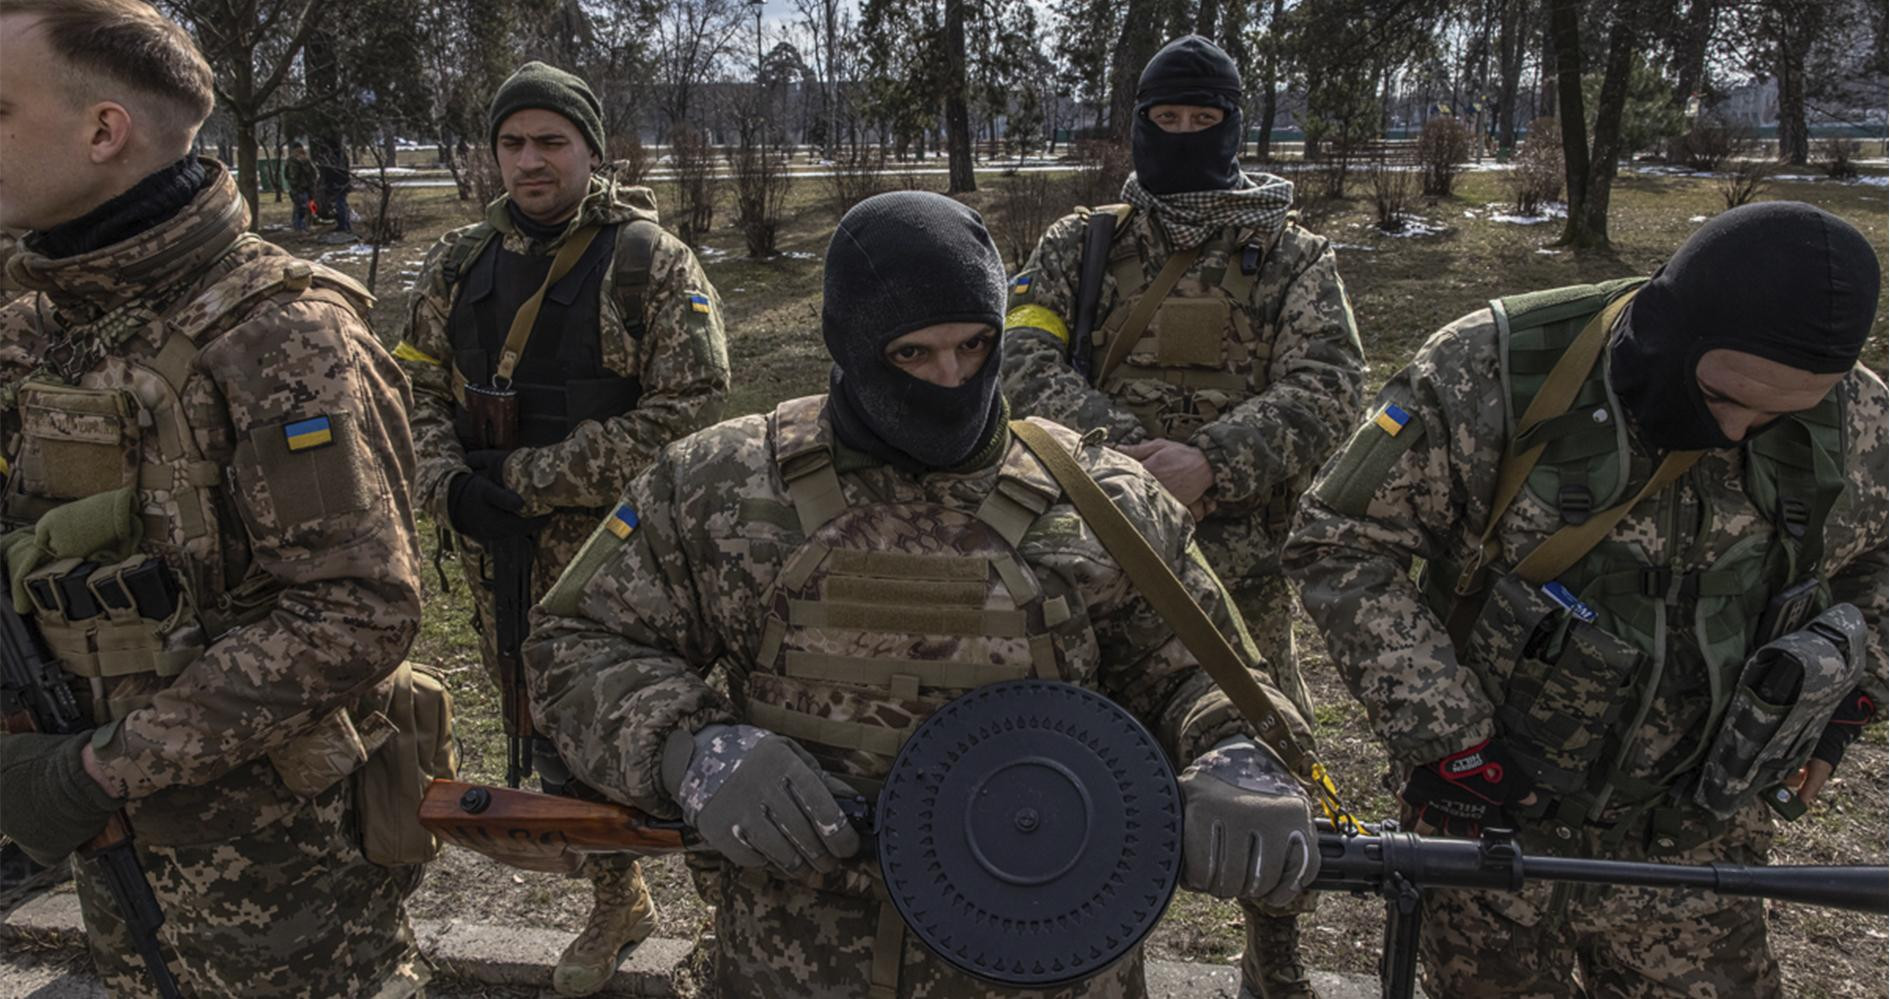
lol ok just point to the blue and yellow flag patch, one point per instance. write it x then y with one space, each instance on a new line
621 521
1021 286
1391 419
305 434
699 302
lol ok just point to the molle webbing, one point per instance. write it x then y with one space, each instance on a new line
1124 338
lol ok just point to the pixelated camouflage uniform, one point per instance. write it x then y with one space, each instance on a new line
1423 490
1266 401
720 560
299 568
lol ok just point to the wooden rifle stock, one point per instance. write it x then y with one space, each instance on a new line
542 832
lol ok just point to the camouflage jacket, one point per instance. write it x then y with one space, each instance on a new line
1432 501
681 363
1271 440
298 175
642 619
301 561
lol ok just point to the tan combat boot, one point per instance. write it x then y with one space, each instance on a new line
622 916
1271 968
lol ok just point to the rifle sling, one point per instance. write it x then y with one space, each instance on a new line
1124 339
1156 582
527 315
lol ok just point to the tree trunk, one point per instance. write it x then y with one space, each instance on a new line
246 167
1208 18
1512 41
1794 145
1690 60
1565 32
1270 85
957 115
1550 74
1134 47
1611 105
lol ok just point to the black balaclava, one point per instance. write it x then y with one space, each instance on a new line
1779 279
1189 70
900 262
156 198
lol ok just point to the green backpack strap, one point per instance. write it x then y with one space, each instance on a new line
630 270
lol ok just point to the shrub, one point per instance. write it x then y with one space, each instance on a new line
1394 185
859 172
696 184
1538 174
1443 147
1743 181
761 185
1840 158
1708 145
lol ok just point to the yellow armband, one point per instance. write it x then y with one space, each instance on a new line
1037 317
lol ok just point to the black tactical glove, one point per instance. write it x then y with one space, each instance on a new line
1846 724
1467 790
481 507
48 803
757 798
1246 829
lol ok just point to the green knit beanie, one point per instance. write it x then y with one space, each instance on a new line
536 85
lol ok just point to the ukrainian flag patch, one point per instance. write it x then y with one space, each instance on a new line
305 434
699 302
621 521
1021 286
1392 419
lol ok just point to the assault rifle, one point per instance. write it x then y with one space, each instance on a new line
493 414
545 833
35 697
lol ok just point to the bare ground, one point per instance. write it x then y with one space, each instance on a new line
1402 288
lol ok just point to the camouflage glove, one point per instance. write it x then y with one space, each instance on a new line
1846 724
1247 828
48 803
1467 790
757 798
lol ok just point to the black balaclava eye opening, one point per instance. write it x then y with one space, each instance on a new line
900 262
1780 280
1190 70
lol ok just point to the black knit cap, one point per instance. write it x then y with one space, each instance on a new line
900 262
537 85
1189 70
1780 280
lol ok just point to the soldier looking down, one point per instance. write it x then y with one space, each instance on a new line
207 462
1651 516
1218 349
603 336
854 560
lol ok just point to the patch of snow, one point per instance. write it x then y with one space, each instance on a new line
1355 246
357 250
1550 212
1877 181
1545 251
710 252
1696 218
1799 177
1469 213
796 255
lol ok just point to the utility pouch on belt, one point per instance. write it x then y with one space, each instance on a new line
314 761
421 749
1786 694
1568 682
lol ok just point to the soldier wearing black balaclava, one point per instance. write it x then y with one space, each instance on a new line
1652 517
1232 390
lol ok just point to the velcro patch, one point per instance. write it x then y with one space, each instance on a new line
699 302
304 435
1361 466
1392 419
621 521
1021 286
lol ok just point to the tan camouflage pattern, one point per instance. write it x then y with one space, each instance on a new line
1632 943
267 914
1262 444
619 650
1426 701
1354 571
323 582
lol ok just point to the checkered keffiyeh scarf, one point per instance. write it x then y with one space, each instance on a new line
1190 217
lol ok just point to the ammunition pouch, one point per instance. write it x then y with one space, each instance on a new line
112 620
1759 742
1566 686
74 443
421 749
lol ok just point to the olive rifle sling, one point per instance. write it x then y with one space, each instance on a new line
1123 340
1156 582
527 315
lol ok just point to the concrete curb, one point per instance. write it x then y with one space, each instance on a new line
522 957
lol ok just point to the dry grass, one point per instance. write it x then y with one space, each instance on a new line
1402 289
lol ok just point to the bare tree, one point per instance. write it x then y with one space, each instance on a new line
957 117
691 37
254 46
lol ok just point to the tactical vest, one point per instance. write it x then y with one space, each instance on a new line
1200 356
138 580
561 378
1571 692
88 457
